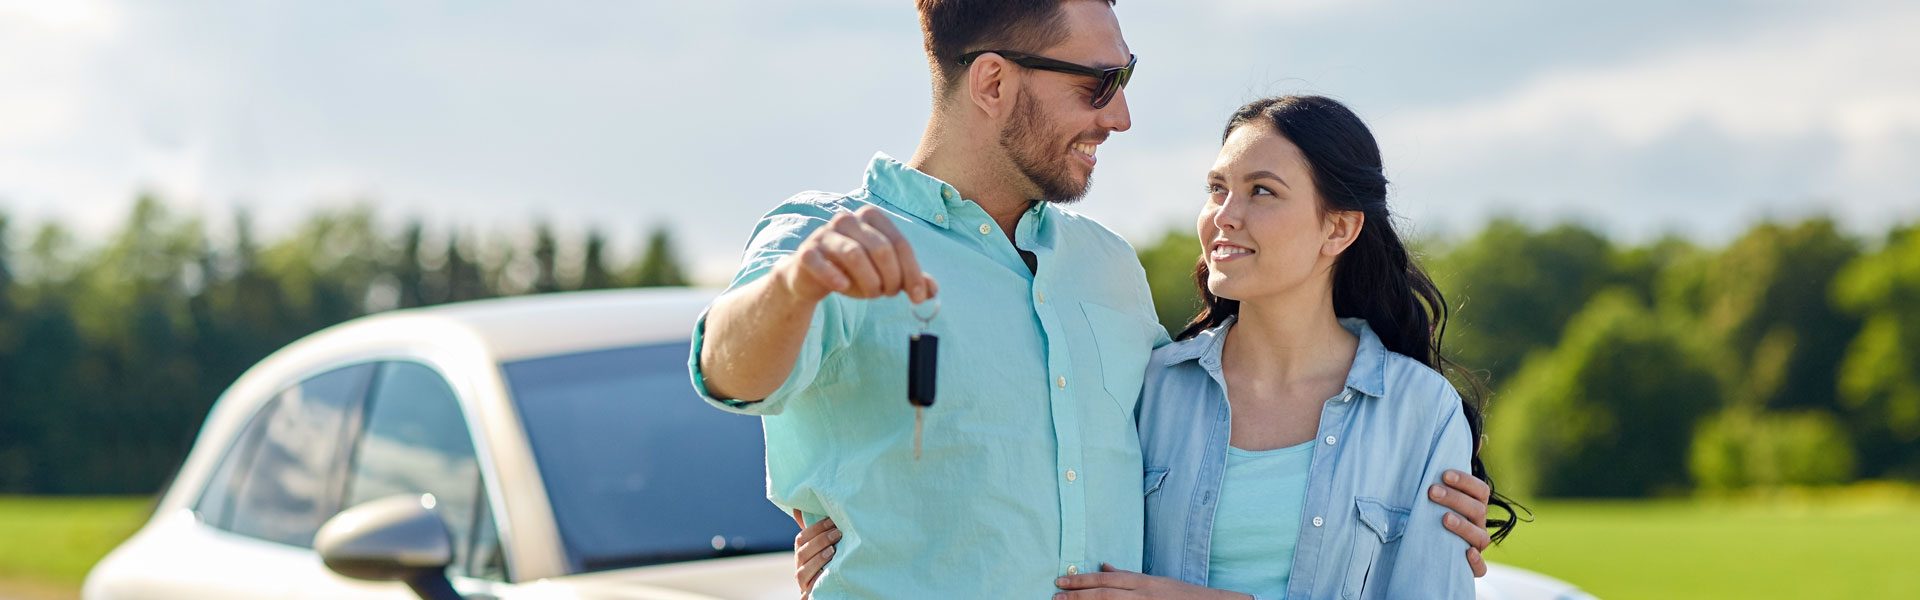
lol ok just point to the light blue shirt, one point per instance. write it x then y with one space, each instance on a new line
1259 520
1032 459
1367 529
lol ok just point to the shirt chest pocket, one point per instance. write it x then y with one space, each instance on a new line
1123 343
1380 526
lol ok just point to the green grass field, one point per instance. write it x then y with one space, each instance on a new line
47 543
1856 546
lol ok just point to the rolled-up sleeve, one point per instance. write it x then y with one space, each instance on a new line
777 235
1432 561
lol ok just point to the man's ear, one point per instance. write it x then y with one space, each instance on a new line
1343 227
990 85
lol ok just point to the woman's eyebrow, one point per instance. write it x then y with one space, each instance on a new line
1266 175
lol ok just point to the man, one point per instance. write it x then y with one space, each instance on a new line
1031 462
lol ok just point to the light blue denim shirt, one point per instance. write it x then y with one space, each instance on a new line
1031 467
1367 529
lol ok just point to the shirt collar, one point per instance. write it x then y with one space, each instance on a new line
910 190
1368 375
934 201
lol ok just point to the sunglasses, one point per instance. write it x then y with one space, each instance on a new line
1111 79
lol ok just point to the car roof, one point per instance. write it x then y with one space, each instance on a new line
523 327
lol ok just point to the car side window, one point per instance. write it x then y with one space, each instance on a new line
277 482
415 441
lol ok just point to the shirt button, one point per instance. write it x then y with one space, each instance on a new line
985 229
1073 569
1072 475
947 193
1330 440
941 219
1040 296
1062 382
1317 521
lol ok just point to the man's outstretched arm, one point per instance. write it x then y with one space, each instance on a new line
754 333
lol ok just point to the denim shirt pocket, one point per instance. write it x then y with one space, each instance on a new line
1155 477
1124 345
1380 524
1155 507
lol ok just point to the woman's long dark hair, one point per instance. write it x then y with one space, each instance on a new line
1375 278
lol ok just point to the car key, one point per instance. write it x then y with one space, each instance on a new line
923 364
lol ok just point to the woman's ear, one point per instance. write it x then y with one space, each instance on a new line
1343 227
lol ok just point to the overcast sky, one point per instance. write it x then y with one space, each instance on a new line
1639 117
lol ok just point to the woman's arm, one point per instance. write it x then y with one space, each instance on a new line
1427 563
812 548
1114 584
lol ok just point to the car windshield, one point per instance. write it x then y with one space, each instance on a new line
638 469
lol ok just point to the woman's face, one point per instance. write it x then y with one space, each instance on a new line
1262 229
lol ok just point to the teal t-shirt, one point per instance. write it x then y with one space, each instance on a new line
1258 522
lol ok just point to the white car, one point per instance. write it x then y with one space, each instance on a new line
537 447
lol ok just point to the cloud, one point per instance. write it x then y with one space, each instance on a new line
1792 119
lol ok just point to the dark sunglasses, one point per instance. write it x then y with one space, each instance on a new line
1111 80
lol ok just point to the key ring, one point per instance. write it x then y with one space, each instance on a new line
926 322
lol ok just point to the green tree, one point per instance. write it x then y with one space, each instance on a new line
462 274
546 253
660 265
1513 290
1169 263
1742 447
409 272
1766 300
1879 380
594 274
1609 411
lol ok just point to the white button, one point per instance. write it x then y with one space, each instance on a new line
1073 569
1330 440
1072 475
947 193
1062 382
1041 296
985 229
941 219
1317 521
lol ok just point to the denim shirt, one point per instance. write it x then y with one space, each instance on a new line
1367 529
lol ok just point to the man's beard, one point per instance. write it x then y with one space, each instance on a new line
1024 141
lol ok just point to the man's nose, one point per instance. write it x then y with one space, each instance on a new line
1114 116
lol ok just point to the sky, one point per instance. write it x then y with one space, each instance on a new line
1636 117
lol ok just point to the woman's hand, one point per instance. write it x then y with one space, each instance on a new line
811 551
1115 584
1466 496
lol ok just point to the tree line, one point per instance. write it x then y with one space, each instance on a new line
111 354
1788 357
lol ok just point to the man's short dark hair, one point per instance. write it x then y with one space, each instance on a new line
955 27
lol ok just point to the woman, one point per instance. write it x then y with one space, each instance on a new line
1292 430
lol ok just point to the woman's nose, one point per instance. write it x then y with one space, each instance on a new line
1228 215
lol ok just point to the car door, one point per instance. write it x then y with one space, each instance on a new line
413 438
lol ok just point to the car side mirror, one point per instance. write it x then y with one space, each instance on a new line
397 538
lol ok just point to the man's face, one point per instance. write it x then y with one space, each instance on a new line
1053 131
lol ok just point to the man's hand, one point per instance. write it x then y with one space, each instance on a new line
1466 496
754 333
860 255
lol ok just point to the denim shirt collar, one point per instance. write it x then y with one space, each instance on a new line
1367 375
934 201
